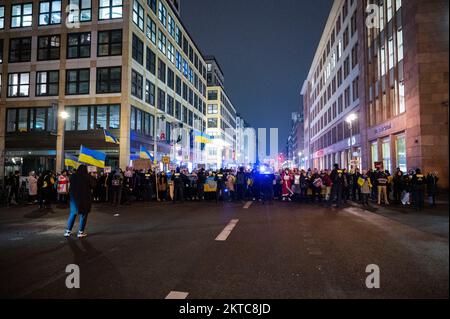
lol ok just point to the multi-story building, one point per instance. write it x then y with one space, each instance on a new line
295 143
394 79
250 146
404 90
331 91
240 129
127 66
221 119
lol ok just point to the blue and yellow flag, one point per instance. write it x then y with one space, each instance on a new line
201 137
145 154
71 161
109 138
91 157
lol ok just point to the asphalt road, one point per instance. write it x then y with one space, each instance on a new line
275 251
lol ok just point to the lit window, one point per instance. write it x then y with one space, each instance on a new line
84 12
2 17
399 45
179 62
50 12
383 61
401 96
170 52
138 15
151 30
47 83
391 53
162 42
389 10
18 84
110 9
171 26
21 15
162 13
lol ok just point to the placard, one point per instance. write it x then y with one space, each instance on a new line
107 170
140 164
92 169
166 160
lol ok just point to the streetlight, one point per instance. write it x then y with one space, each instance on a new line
60 132
350 119
158 116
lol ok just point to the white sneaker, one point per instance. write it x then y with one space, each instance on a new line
67 233
81 234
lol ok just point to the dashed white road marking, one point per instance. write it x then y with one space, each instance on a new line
247 205
177 295
227 230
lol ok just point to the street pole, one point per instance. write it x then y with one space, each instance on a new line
155 149
351 143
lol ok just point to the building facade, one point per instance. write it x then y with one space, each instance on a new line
127 66
405 86
295 143
331 92
221 119
397 86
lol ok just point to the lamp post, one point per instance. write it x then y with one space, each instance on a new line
350 119
61 129
158 115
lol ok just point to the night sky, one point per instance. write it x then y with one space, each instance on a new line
265 49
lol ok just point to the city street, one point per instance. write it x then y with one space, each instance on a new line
229 250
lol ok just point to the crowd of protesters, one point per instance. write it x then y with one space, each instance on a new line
78 188
329 186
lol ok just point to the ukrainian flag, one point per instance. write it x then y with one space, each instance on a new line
201 137
109 138
71 161
145 154
91 157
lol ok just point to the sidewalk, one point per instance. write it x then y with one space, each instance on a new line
431 220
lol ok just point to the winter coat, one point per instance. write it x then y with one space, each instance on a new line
32 185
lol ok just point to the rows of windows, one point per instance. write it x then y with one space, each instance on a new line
336 134
164 74
385 53
29 119
164 43
180 63
93 117
78 46
338 107
108 80
158 97
50 12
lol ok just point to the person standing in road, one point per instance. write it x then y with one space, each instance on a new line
365 186
220 180
398 185
32 188
382 180
201 180
337 178
418 184
162 186
178 186
241 183
81 185
63 188
432 188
